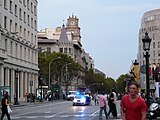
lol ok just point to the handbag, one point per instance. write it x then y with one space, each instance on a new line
9 109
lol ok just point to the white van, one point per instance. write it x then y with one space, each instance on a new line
71 95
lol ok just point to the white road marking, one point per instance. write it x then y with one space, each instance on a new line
48 112
31 117
93 114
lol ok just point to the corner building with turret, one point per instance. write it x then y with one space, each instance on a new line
150 23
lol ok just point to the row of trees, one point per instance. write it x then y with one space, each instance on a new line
89 77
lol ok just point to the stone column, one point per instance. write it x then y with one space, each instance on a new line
12 85
1 75
25 82
21 85
7 77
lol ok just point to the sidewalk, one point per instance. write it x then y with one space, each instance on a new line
24 103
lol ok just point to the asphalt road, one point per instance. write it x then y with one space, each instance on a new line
57 111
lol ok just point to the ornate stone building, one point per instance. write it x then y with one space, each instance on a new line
66 40
18 43
150 23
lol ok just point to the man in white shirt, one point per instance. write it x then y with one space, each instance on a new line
114 106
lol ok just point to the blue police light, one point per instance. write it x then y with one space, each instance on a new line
78 93
83 99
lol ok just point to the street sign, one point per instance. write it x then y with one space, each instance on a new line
143 69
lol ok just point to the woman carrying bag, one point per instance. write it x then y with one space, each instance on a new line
4 104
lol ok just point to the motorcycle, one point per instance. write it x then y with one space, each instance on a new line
154 111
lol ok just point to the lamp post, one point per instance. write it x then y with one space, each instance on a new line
49 81
146 47
40 84
62 77
16 102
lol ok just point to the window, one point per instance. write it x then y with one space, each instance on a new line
29 55
28 36
10 27
159 61
10 6
20 31
32 38
5 22
15 27
35 40
158 52
35 57
24 2
70 50
16 50
20 13
32 57
153 44
5 3
24 17
15 10
24 53
28 20
6 44
153 36
32 22
61 50
48 49
158 44
35 25
154 54
20 52
31 7
65 50
24 33
11 48
35 10
28 4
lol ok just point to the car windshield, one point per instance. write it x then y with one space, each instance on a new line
79 97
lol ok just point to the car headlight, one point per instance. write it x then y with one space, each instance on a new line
151 113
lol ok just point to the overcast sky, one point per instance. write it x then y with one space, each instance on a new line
109 28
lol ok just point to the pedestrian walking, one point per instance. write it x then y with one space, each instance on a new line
4 104
112 106
114 103
133 107
102 103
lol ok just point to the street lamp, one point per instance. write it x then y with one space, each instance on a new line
146 47
62 77
40 84
16 102
49 81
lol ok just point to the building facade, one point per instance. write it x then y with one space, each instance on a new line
150 23
18 43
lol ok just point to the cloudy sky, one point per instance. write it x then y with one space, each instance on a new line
109 28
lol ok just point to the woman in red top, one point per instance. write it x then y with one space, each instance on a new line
132 106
